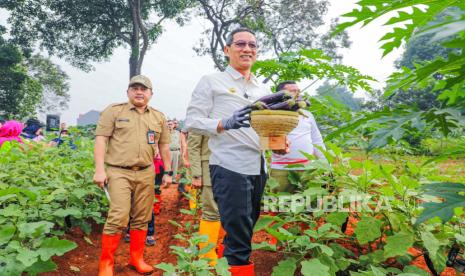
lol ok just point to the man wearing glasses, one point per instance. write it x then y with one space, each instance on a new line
218 108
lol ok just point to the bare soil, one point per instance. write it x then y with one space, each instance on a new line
86 256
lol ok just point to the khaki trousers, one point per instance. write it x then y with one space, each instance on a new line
131 196
209 206
175 156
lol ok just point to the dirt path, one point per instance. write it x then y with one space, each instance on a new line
85 256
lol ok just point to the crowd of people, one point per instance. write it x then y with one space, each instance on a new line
32 131
136 146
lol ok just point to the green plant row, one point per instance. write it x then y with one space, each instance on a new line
43 192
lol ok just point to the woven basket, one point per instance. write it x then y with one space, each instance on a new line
273 123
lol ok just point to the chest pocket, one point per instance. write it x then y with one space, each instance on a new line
124 128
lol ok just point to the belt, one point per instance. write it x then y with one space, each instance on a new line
132 168
174 149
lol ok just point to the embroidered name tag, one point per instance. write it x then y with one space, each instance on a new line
122 120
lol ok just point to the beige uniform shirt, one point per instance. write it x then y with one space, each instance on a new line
128 130
197 146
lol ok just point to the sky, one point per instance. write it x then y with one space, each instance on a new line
175 68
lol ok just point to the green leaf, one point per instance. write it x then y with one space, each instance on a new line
451 200
368 229
285 267
337 218
398 244
207 248
11 266
68 212
378 271
27 257
264 221
313 267
54 246
222 267
264 246
167 267
415 271
34 229
41 267
6 233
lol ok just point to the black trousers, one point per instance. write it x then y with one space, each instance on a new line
239 198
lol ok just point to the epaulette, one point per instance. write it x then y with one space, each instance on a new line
157 111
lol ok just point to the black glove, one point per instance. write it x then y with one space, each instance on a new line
237 119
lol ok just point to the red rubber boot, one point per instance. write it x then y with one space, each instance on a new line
136 248
107 258
242 270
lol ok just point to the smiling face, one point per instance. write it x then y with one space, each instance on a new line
139 95
242 53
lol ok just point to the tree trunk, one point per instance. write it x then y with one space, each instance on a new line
139 32
134 68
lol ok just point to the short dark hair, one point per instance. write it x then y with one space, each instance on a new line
284 83
229 39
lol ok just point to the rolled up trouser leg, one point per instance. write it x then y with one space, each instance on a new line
238 198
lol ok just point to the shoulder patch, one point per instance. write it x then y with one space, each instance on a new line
117 104
157 111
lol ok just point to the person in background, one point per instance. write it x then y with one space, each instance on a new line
64 138
175 148
63 126
210 223
306 137
159 169
10 131
183 143
33 130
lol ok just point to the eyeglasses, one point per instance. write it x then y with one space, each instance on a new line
241 44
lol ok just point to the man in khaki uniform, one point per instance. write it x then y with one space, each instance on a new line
128 137
210 224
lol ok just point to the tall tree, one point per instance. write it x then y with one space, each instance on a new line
419 50
406 20
19 93
54 81
281 26
89 31
29 84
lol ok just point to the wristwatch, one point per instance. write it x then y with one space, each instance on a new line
170 173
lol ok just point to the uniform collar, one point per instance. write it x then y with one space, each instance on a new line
133 107
236 75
